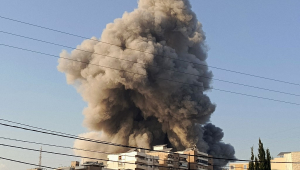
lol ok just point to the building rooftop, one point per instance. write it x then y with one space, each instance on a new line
282 153
160 145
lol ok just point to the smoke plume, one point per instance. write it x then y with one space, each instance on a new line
146 104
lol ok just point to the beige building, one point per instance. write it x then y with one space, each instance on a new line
198 160
281 162
85 166
239 166
286 157
169 160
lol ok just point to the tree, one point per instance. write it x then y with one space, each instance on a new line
262 161
268 163
262 156
251 163
256 165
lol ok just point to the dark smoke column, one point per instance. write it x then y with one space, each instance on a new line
143 111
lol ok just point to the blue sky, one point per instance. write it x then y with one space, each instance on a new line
256 37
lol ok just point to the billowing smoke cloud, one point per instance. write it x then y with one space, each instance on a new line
213 136
145 109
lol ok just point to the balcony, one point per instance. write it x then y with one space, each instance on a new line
181 159
170 157
181 164
169 163
202 162
141 166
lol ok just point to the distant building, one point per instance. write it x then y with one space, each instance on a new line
135 159
85 166
281 162
239 166
198 160
169 160
286 157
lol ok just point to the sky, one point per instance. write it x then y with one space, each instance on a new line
256 37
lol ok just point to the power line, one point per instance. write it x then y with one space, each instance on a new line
65 147
59 154
108 143
115 144
85 157
63 154
151 65
13 160
219 68
206 88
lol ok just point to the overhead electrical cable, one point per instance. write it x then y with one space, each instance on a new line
65 147
85 157
134 73
82 157
115 144
151 65
21 162
219 68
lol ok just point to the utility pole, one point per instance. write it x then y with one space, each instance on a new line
40 160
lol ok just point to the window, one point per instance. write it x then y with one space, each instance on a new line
202 161
170 156
183 159
150 159
245 166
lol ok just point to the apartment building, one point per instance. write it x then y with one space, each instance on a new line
161 158
169 160
198 160
292 157
239 166
135 159
89 165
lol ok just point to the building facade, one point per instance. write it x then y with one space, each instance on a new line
161 158
239 166
198 160
85 166
169 160
292 157
133 159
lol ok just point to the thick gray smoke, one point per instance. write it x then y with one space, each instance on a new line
143 111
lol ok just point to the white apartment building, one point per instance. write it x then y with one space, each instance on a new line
135 159
161 158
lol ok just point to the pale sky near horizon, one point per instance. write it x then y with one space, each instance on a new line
256 37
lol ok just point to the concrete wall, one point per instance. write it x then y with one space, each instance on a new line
132 160
239 166
278 166
296 158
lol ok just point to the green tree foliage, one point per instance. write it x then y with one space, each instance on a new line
251 163
256 165
262 161
261 156
268 159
